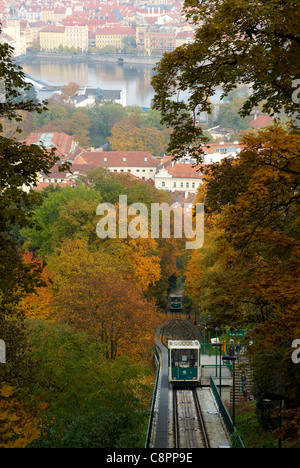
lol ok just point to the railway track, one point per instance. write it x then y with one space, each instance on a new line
176 328
189 426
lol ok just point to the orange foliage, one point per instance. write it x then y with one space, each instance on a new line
18 426
38 304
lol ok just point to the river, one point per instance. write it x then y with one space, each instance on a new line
135 78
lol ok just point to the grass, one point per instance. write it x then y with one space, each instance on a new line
251 432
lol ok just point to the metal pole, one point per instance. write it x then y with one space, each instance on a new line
216 330
220 372
233 409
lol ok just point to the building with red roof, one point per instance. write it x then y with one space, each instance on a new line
138 163
113 36
177 176
66 148
261 121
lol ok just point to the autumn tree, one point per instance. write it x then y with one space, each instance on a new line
37 303
104 117
127 136
64 213
108 305
80 128
19 425
69 91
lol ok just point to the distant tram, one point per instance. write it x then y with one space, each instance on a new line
184 362
175 302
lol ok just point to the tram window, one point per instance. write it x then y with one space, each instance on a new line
174 358
192 360
184 357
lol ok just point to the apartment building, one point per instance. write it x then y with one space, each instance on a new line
77 36
52 37
53 14
140 164
30 12
159 38
178 177
113 36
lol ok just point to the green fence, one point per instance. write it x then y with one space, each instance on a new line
226 417
150 423
227 348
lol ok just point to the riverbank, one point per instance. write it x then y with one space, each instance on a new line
58 70
85 58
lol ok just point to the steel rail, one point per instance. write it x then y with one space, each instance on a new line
175 419
201 420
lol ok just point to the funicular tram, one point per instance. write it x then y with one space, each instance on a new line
184 362
176 302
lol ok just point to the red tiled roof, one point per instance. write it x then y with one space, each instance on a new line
53 28
61 141
43 185
82 168
118 159
185 170
74 170
262 121
116 30
213 147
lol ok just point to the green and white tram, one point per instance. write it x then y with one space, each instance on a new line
175 302
184 362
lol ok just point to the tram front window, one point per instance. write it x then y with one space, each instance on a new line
184 357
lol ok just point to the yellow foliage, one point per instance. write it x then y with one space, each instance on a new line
19 427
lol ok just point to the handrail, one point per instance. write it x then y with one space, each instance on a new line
225 415
150 422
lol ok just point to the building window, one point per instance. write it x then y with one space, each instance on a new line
174 184
163 184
